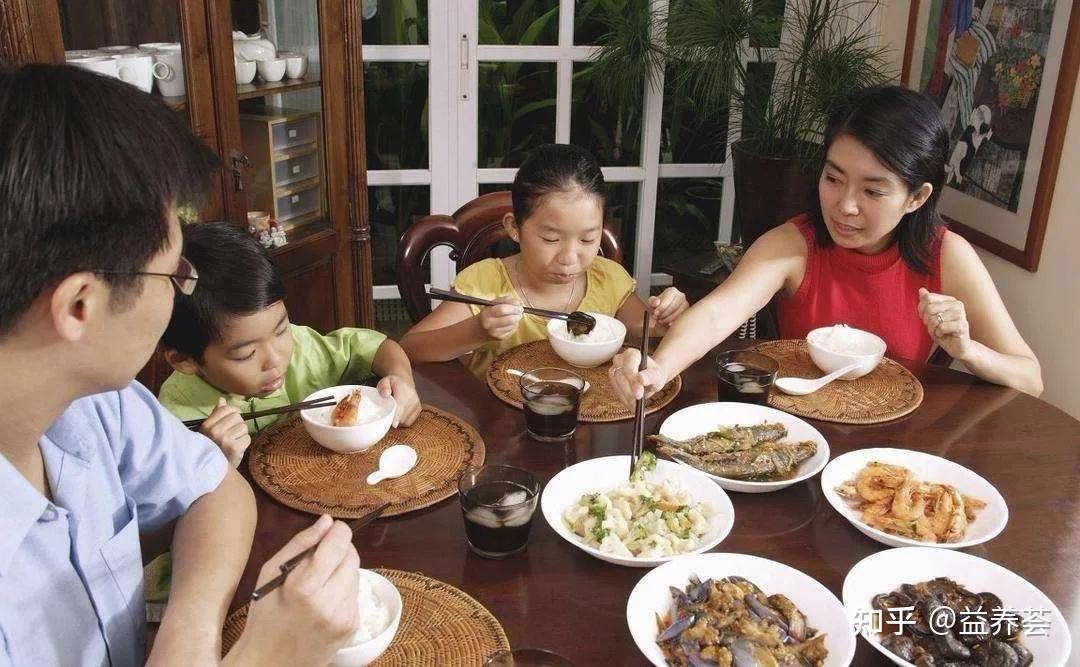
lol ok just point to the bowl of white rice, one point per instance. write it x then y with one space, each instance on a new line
833 348
374 416
380 613
591 349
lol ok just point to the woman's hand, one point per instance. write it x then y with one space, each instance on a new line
404 392
226 428
501 321
631 384
946 320
667 306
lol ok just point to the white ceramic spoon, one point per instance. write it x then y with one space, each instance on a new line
803 386
395 461
516 373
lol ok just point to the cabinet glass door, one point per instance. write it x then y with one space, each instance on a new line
279 93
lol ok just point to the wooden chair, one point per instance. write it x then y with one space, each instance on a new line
470 232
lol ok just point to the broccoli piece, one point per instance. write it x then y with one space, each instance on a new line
646 463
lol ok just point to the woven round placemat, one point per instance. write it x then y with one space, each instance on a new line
299 473
440 625
599 404
887 392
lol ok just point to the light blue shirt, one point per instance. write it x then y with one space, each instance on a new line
70 570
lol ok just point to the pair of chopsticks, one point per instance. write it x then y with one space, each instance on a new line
639 406
320 402
289 565
456 297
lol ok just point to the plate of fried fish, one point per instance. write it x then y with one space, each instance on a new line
743 447
901 497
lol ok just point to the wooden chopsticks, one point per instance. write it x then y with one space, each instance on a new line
446 295
320 402
290 564
639 406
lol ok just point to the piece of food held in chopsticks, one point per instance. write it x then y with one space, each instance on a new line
755 452
347 411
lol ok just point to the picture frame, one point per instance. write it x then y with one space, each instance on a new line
1004 73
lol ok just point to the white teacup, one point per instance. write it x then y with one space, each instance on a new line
245 70
295 64
101 64
271 70
137 69
82 53
159 46
169 72
117 49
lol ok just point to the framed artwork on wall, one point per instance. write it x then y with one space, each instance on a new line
1003 73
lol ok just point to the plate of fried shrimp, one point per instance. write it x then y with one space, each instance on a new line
901 497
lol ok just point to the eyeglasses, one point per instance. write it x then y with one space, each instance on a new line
184 279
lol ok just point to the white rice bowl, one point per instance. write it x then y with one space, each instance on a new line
379 606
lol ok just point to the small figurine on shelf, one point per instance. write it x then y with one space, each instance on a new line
266 229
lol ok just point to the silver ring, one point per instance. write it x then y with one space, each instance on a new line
940 319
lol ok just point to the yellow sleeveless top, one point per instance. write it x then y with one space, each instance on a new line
607 287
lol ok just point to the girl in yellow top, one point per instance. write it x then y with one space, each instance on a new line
558 217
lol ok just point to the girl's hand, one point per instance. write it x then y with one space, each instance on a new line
502 320
667 306
225 427
631 384
404 392
946 320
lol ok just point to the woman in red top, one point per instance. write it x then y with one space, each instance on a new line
875 256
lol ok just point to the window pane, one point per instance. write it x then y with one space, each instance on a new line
395 115
516 109
516 22
770 10
687 218
759 79
688 133
591 20
622 213
394 22
392 210
611 132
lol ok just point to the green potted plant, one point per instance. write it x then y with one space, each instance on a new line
719 54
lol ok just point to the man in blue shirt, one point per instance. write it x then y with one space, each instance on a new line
91 173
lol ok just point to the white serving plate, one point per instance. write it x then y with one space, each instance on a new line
606 473
886 570
705 417
989 521
822 609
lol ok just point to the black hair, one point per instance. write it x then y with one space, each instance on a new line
235 278
555 168
89 169
905 132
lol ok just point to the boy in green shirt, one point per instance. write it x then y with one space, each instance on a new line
234 350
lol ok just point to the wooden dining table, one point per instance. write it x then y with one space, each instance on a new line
557 597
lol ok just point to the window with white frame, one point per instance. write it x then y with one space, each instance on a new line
458 92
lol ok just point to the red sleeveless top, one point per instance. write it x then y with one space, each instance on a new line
878 293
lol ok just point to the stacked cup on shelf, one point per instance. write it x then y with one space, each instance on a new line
255 53
139 66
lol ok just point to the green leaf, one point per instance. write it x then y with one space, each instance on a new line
533 106
532 34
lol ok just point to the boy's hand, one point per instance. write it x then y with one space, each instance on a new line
667 306
404 392
314 612
225 427
502 320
